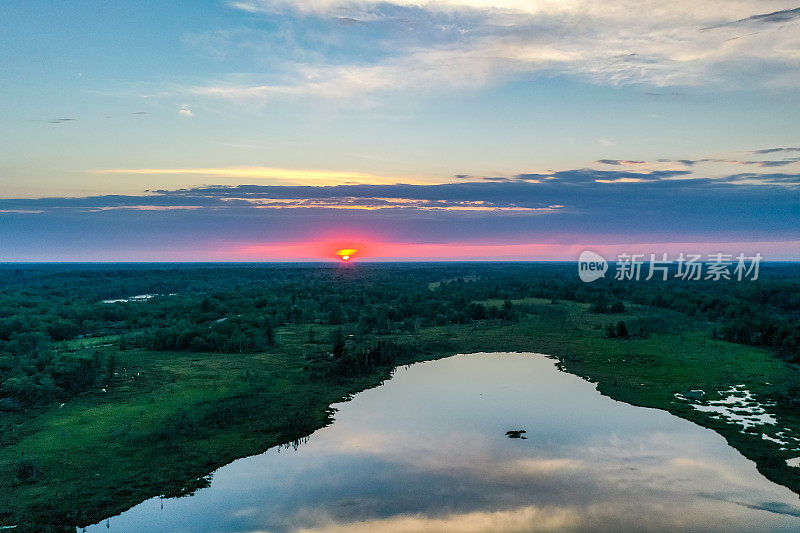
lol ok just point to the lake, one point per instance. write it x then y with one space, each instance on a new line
430 450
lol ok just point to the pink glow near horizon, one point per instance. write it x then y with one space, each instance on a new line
408 251
397 251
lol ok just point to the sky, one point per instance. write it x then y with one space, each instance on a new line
270 130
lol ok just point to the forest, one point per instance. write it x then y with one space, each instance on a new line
46 311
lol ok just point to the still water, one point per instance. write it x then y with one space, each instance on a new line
429 451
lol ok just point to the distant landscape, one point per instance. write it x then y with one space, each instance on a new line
123 382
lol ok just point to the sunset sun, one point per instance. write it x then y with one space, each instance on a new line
346 254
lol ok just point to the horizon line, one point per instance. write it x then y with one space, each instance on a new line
328 262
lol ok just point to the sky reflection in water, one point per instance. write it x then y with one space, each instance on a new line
428 451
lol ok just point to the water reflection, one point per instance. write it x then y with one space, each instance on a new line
430 451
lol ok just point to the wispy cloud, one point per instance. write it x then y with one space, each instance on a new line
784 15
617 162
54 120
773 150
764 163
444 44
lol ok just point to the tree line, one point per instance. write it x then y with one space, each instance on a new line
46 312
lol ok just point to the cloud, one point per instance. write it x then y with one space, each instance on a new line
619 162
559 193
523 519
773 150
245 6
765 163
687 162
777 178
186 111
588 175
783 15
533 192
54 120
781 163
422 69
527 214
463 44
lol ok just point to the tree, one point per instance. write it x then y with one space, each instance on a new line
269 333
335 315
338 344
600 306
27 471
111 366
62 329
22 389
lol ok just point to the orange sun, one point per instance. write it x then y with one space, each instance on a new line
346 254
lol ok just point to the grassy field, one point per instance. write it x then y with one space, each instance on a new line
170 419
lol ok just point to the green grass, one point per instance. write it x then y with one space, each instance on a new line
171 418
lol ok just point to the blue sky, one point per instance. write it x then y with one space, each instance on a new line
494 111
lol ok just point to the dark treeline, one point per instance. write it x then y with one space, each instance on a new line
46 310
